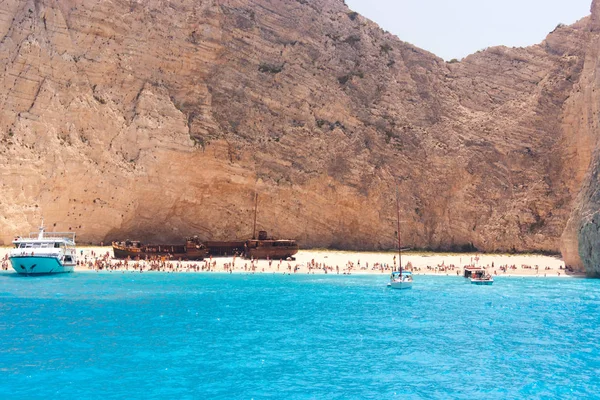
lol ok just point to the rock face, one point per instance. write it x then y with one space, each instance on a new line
580 246
159 119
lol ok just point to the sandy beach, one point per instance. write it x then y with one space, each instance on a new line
329 262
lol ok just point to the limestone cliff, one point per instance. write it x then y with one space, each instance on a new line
580 246
159 119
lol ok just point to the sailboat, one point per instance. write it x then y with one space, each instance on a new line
400 279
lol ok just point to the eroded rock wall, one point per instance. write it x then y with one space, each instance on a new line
160 119
580 247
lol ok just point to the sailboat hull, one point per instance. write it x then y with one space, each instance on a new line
400 285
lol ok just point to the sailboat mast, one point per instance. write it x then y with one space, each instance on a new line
255 207
398 222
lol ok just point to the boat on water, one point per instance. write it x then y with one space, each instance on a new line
192 249
400 279
44 253
481 277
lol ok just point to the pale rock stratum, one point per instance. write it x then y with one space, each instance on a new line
158 119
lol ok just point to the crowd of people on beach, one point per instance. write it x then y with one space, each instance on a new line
104 261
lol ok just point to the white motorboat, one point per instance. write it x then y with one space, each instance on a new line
44 253
482 281
481 277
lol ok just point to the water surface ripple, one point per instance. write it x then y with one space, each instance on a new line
192 336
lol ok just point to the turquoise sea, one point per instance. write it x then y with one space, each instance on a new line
204 336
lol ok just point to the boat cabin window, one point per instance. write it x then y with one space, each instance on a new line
56 245
34 245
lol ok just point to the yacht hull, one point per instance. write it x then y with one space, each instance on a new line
39 265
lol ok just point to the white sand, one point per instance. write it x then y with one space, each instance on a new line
347 262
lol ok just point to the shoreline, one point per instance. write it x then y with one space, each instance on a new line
336 262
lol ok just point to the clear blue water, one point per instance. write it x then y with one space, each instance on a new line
197 336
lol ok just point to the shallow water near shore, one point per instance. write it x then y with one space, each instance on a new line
189 336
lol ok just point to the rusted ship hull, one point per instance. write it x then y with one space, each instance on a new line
171 252
261 248
225 248
252 249
271 249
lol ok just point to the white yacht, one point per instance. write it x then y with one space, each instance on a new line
44 253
